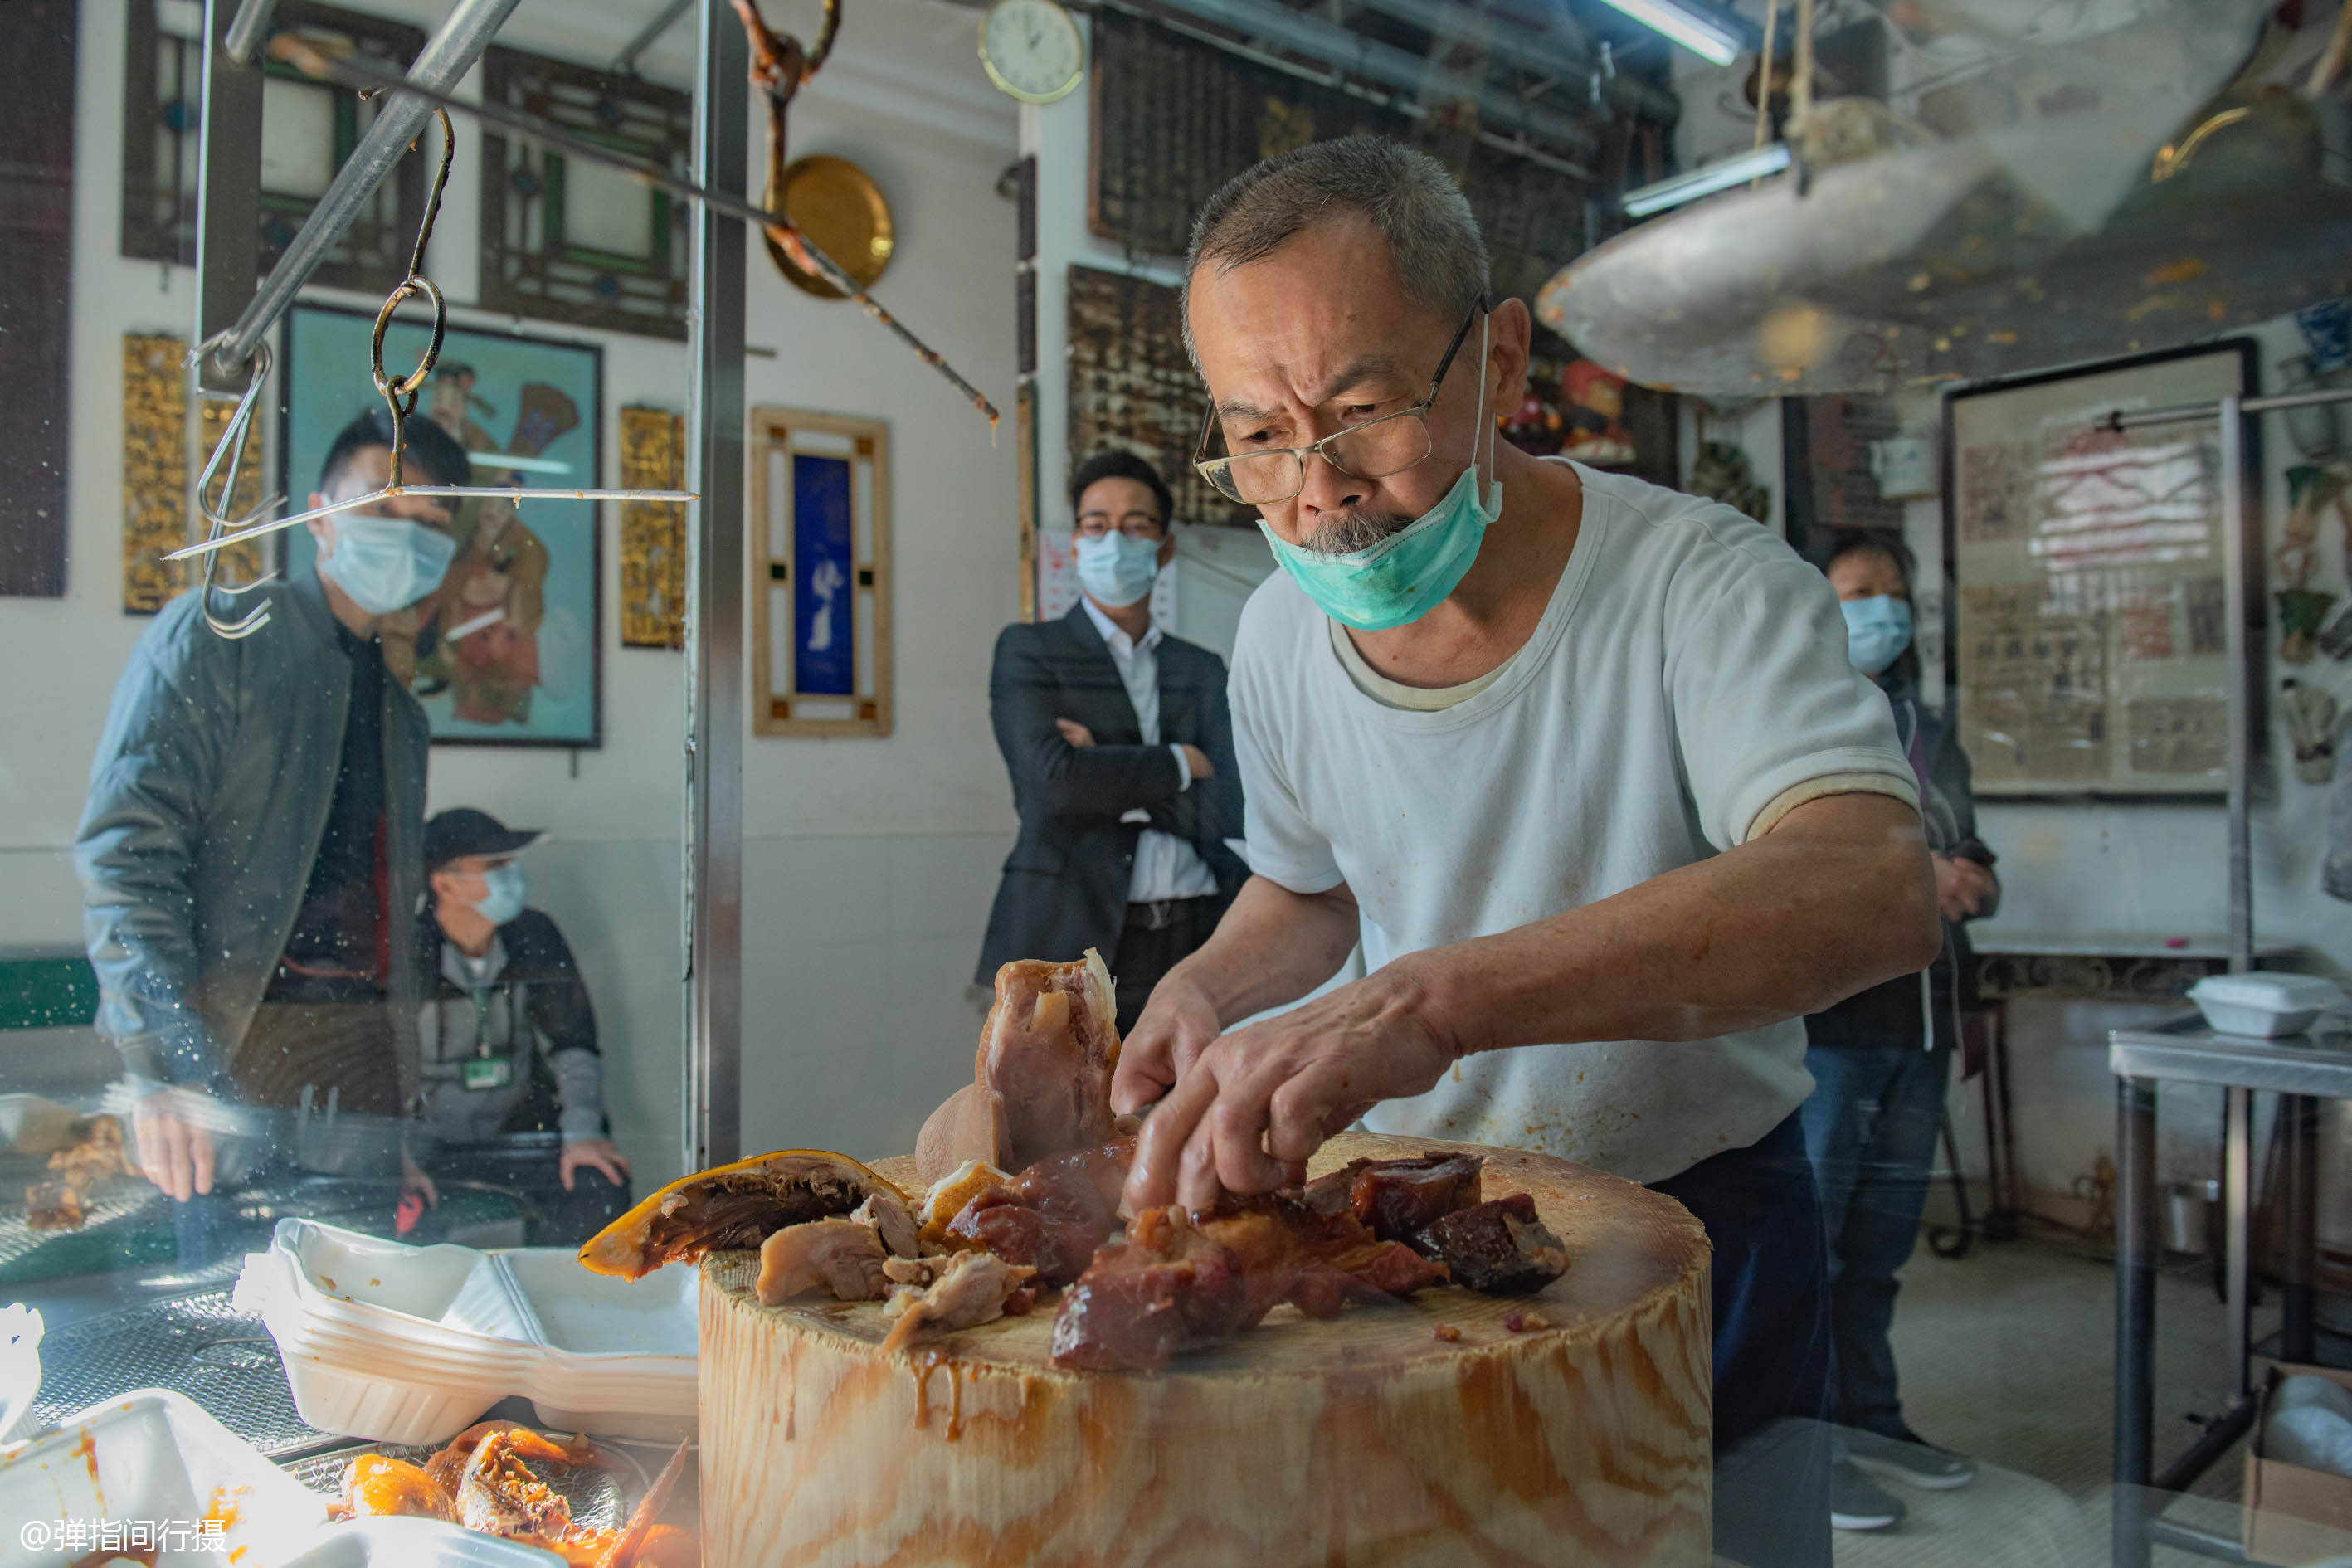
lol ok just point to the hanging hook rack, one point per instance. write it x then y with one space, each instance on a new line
219 523
400 396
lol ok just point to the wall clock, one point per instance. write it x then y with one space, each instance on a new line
1032 49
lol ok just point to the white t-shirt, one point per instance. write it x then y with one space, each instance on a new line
1687 685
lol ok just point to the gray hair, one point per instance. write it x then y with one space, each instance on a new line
1433 236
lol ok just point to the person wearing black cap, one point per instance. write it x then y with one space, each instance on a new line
509 1037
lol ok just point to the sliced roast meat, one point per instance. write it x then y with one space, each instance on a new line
843 1255
1397 1198
1180 1280
969 1289
1500 1248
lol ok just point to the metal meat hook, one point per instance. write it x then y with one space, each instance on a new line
399 394
219 526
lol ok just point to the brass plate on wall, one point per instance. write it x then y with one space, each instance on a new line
839 206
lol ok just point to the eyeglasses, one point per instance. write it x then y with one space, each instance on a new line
1371 450
1134 525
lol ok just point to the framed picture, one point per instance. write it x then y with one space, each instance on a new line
820 569
2088 614
507 652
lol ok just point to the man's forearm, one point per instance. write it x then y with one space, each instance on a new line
1272 946
1838 898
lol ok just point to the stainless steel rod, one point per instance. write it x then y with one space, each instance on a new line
312 63
715 413
447 56
2237 1181
2186 412
627 58
2242 707
243 40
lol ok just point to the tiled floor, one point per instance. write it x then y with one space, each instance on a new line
2007 1355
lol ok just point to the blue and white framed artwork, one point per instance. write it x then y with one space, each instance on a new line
820 567
509 651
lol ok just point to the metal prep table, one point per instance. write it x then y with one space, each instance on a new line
2302 1070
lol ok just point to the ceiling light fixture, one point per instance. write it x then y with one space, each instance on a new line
1707 37
1705 181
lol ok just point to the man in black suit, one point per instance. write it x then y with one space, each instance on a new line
1121 751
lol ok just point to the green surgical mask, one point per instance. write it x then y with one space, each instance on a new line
1401 578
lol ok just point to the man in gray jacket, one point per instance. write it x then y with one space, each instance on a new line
250 851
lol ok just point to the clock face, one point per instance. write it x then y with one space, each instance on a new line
1031 48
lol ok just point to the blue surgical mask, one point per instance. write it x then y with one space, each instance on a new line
503 899
1877 630
1116 570
1405 576
386 563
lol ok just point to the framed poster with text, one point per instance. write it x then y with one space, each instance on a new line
2088 613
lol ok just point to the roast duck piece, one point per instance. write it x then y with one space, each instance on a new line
483 1479
982 1242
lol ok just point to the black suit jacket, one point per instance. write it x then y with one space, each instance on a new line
1065 886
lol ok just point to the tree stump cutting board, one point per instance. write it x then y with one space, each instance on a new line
1364 1439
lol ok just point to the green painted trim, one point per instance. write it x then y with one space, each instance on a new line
47 993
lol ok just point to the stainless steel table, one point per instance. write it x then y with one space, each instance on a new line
2302 1070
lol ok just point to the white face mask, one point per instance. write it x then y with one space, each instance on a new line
1117 570
386 563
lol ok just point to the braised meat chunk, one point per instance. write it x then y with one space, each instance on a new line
1181 1279
1142 1299
1500 1248
1041 1077
1397 1198
1052 1217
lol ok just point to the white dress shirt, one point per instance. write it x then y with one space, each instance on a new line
1165 866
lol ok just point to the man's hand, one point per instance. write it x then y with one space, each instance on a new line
1076 733
1962 887
1198 761
1178 1022
413 1179
597 1153
1252 1106
175 1151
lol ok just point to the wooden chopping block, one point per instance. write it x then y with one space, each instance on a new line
1364 1439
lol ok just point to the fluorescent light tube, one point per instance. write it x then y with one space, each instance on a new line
1705 181
1700 33
521 465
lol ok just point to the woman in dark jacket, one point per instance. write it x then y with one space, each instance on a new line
1881 1063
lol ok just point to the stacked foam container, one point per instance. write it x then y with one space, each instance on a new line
412 1344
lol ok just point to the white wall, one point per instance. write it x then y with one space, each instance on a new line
869 862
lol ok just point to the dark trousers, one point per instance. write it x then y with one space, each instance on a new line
1158 937
1870 1130
329 1042
1770 1299
340 1046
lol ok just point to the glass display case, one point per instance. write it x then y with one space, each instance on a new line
573 652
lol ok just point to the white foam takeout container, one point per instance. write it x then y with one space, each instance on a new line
20 1363
409 1344
2266 1004
413 1544
150 1458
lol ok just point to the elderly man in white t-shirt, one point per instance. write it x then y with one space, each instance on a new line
1580 762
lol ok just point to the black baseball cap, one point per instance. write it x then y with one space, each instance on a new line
462 831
